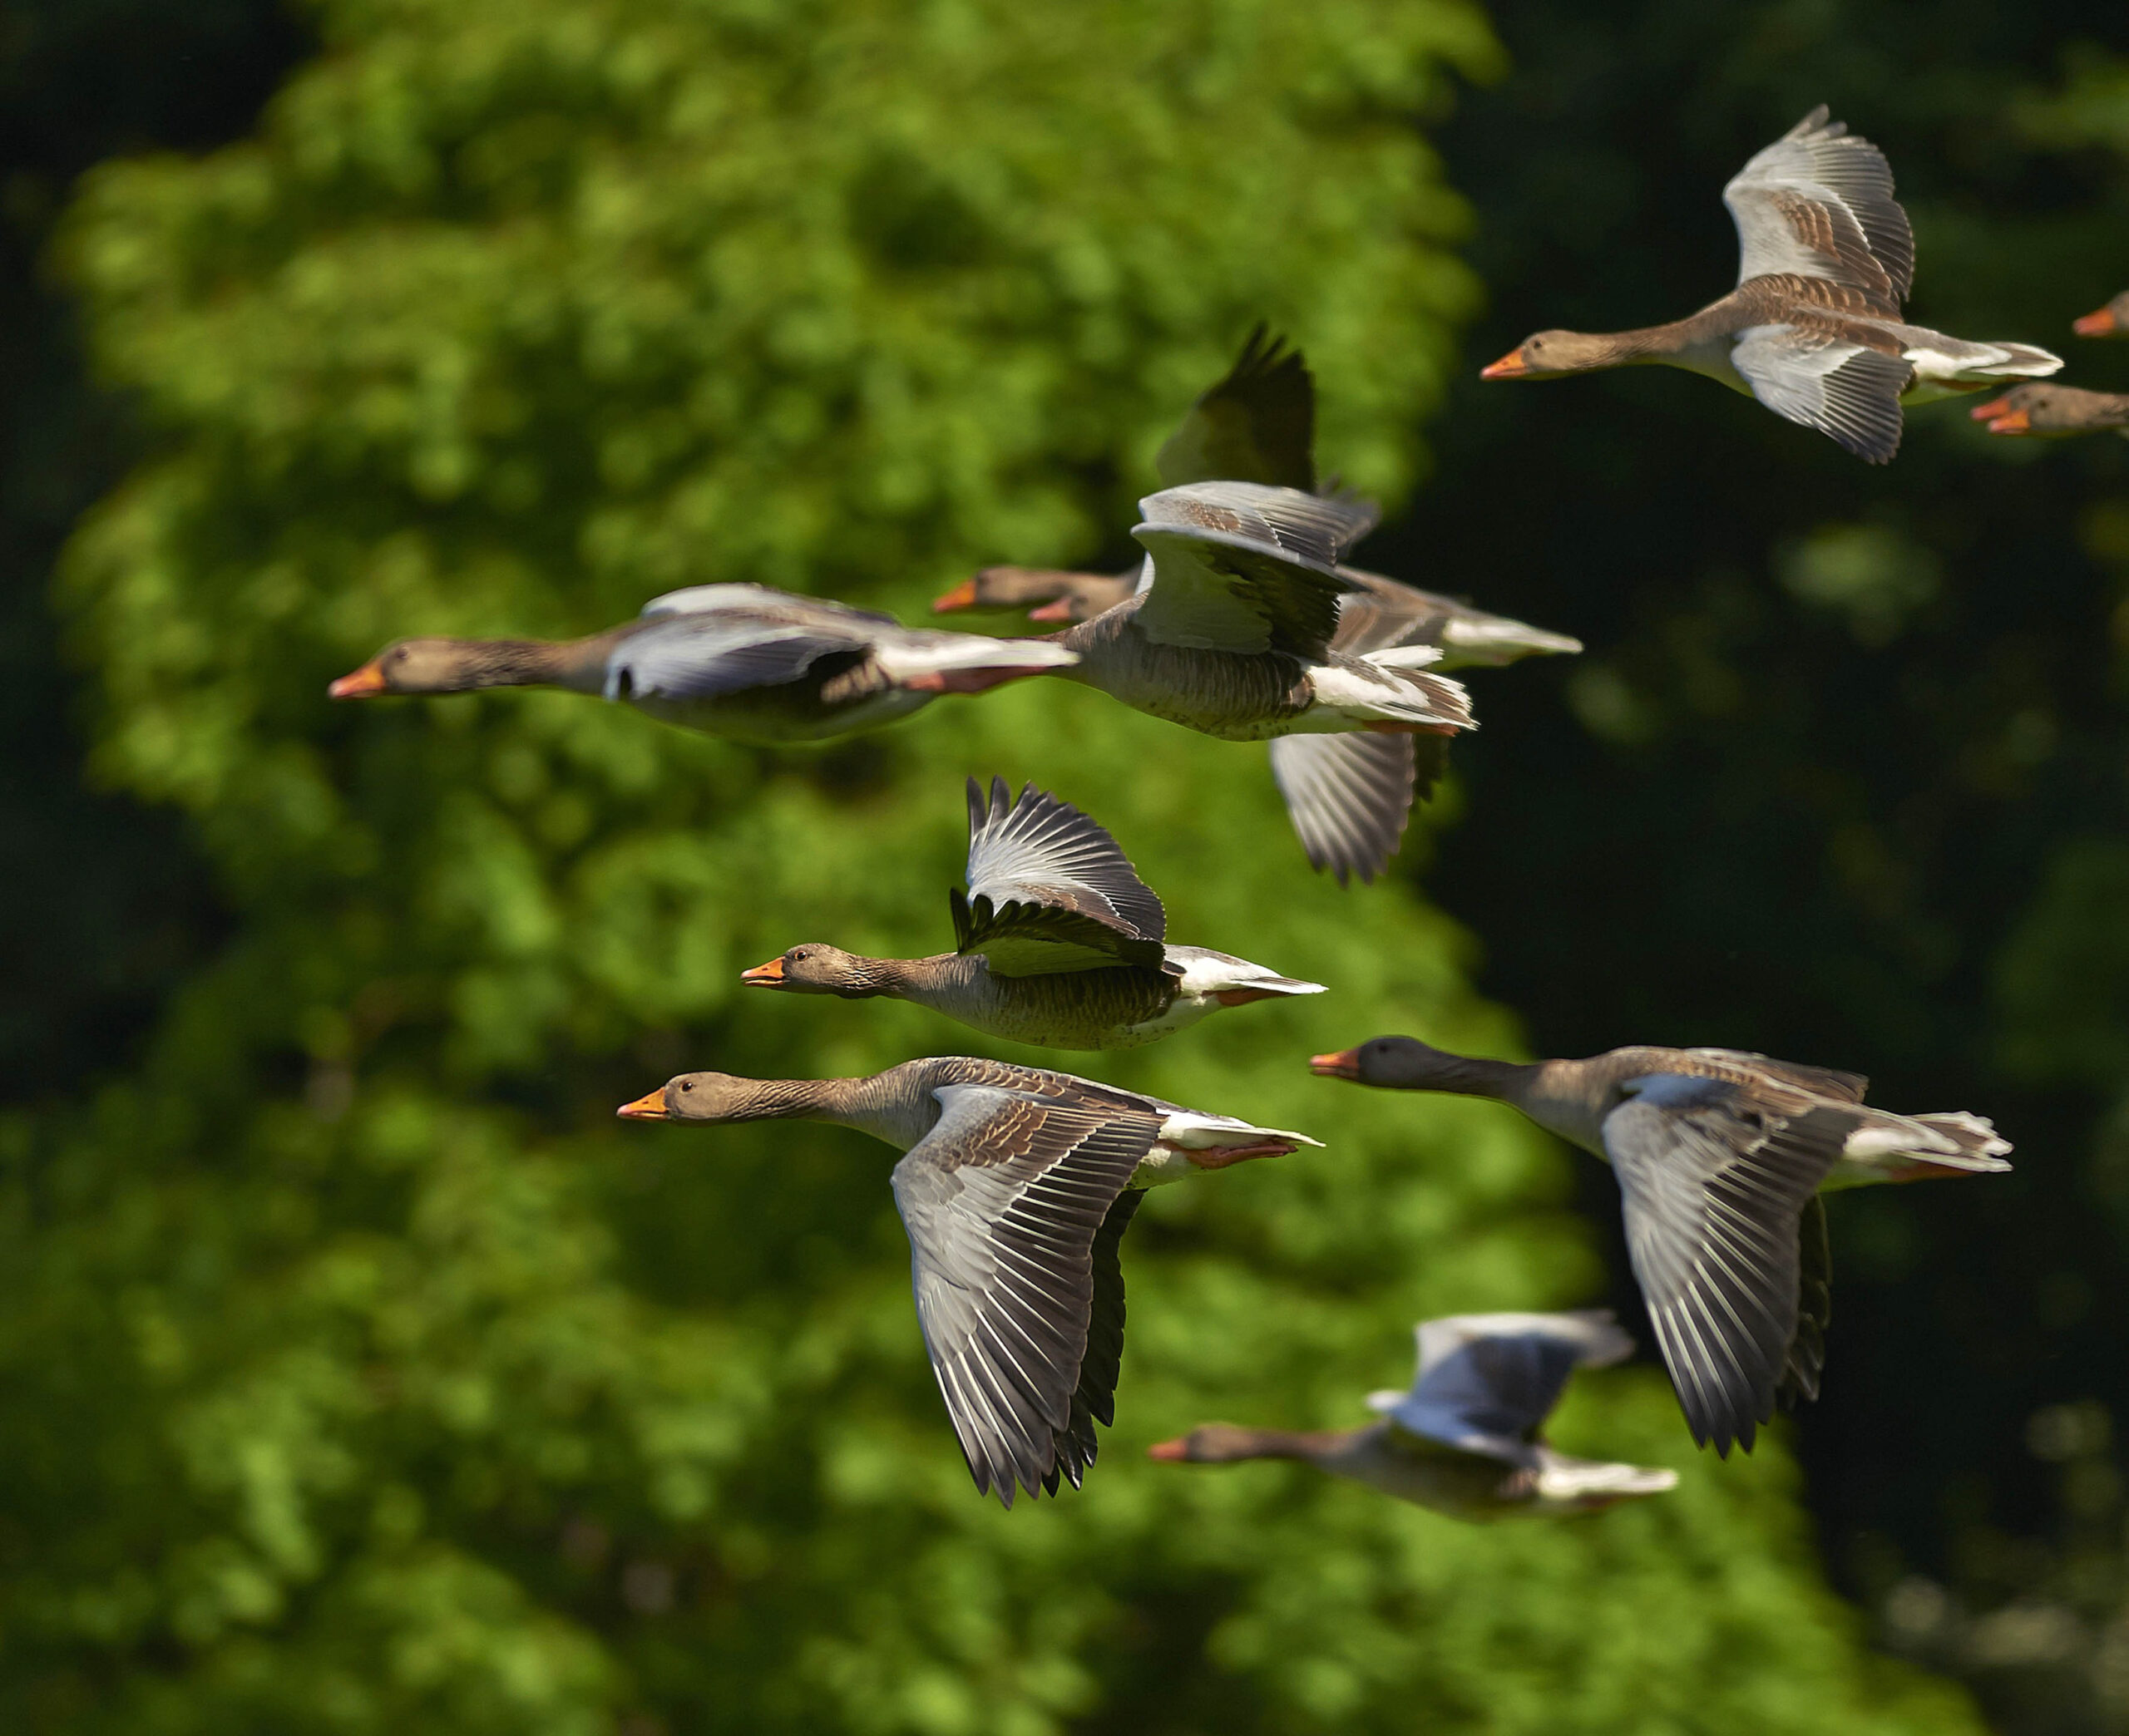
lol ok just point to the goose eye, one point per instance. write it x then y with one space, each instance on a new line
687 1085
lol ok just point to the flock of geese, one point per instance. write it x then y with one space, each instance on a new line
1242 620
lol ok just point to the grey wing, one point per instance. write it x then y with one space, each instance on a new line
1095 1399
1350 795
1005 1200
1807 1350
768 604
1256 424
700 656
1715 1191
1818 202
1050 890
1845 390
1845 1087
1487 1382
1242 567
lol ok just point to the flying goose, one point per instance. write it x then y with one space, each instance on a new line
2053 409
1720 1157
1233 638
738 660
1348 795
1465 1440
1058 942
1813 329
2111 321
1016 1189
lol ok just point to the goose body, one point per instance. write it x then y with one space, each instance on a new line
1348 773
1720 1157
736 660
1016 1189
1061 943
1466 1440
1814 328
2054 410
1232 635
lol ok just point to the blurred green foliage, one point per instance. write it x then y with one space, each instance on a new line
356 1372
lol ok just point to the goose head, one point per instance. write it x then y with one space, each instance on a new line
1212 1443
1396 1064
2111 321
2047 408
816 968
1550 355
413 666
696 1096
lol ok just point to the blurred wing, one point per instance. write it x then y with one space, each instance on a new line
1818 203
1845 390
761 601
1244 568
1715 1190
1050 890
1349 795
1487 1382
698 656
1257 424
1005 1200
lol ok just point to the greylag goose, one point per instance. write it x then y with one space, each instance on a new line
1233 637
1016 1189
1720 1157
1349 795
1058 942
1047 594
1380 612
1465 1441
739 660
1813 329
2111 321
2053 409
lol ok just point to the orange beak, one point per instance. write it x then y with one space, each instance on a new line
1510 367
962 596
363 683
1339 1064
764 976
1172 1452
1060 611
2002 419
2101 324
650 1107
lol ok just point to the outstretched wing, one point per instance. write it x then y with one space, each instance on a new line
1350 795
1715 1190
1844 389
1005 1201
1049 889
698 656
1256 424
1818 203
1487 1382
1242 567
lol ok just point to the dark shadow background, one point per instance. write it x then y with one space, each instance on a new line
1837 732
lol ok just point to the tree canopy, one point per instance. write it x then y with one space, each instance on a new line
359 1373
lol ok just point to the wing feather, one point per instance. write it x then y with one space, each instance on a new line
1716 1190
1011 1202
